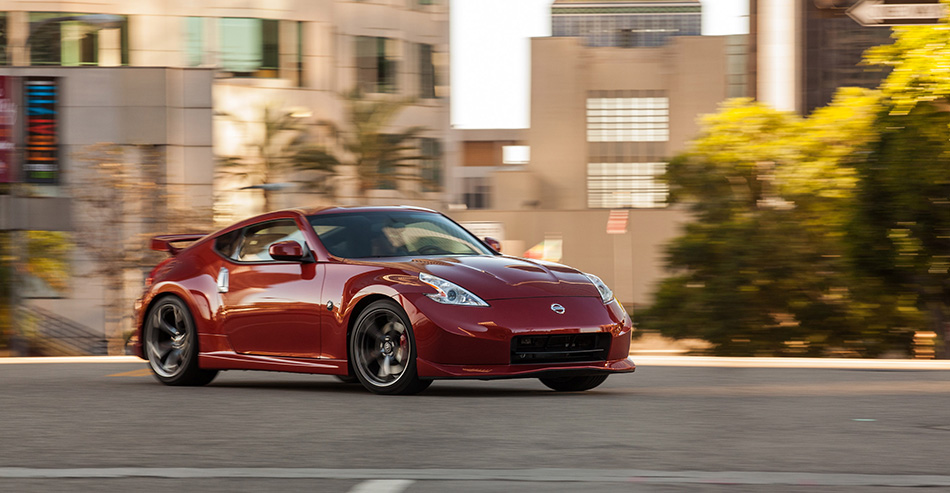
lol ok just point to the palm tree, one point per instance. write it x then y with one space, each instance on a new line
271 155
380 157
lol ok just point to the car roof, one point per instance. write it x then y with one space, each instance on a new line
361 208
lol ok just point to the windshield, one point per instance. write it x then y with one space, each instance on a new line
393 234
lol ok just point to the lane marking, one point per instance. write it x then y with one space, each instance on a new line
71 359
382 486
141 372
541 475
827 363
911 387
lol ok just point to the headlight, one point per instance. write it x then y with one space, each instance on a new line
450 293
605 293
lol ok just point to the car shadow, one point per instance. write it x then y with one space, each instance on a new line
439 389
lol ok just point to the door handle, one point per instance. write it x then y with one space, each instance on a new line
224 279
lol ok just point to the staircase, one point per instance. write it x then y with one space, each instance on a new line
48 334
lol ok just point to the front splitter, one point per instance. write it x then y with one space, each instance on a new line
427 370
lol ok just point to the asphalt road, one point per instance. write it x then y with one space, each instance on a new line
112 427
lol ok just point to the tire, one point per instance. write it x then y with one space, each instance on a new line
171 344
383 351
347 378
573 384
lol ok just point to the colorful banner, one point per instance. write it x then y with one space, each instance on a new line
8 112
41 152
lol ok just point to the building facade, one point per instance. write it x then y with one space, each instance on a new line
604 122
804 50
483 153
626 23
187 86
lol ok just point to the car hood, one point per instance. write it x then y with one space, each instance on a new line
502 277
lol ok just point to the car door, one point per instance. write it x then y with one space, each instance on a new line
270 307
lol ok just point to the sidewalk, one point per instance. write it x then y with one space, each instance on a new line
641 360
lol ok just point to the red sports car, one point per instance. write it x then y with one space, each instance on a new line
393 297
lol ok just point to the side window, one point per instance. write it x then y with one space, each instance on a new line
259 238
227 243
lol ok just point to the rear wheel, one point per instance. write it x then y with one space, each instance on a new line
171 344
383 350
573 384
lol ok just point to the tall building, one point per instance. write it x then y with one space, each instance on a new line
806 49
182 86
626 23
604 123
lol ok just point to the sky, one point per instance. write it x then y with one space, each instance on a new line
490 57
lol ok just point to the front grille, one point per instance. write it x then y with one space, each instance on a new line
559 348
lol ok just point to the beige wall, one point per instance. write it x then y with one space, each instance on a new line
157 39
558 133
549 196
168 110
629 263
692 69
156 101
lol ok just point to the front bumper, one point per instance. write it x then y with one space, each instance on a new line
426 369
478 342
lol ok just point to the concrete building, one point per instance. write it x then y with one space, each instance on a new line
483 153
626 23
196 82
604 122
804 50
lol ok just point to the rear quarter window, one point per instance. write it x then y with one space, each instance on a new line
227 243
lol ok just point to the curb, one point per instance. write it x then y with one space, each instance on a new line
642 361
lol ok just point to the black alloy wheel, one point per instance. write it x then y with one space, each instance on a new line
171 344
383 350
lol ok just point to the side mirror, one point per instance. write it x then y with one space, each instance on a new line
287 251
493 243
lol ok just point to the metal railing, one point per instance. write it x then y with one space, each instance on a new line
44 333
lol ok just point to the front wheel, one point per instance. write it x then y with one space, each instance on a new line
171 344
573 384
383 350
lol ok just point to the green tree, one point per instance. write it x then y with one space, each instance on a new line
382 156
120 201
901 231
763 267
44 255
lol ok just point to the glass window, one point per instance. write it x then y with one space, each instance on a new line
626 185
516 155
299 57
258 239
227 243
430 167
194 41
376 64
4 58
427 73
476 193
249 47
69 39
628 119
393 234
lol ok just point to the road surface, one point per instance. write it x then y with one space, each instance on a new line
109 426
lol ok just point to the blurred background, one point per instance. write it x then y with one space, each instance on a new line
754 177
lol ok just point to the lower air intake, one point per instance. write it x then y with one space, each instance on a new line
559 348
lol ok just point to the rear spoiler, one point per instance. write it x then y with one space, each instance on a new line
163 243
